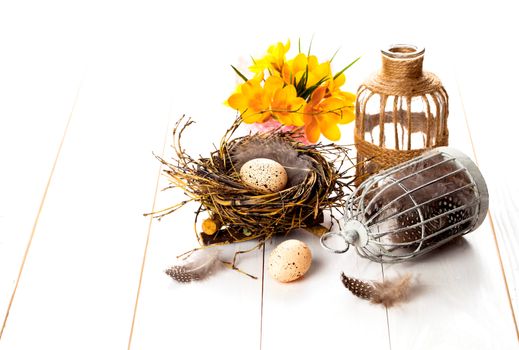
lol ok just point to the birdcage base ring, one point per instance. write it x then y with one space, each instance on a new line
354 233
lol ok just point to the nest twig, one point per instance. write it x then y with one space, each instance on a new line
214 182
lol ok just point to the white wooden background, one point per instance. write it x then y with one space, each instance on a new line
89 89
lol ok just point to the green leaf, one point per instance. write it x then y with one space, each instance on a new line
239 73
331 59
310 46
299 45
312 88
308 92
345 68
301 85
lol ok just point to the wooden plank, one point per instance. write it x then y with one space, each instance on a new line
493 126
225 310
226 307
222 311
82 274
37 99
80 279
318 308
317 311
461 297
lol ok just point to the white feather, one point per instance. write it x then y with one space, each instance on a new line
198 266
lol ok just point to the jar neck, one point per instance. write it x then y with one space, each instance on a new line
402 62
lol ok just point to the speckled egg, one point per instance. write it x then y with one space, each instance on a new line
264 175
290 260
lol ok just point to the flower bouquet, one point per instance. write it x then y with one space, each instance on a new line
296 93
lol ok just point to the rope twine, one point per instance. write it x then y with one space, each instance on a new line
385 157
403 79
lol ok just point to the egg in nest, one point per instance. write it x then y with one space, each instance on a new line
264 175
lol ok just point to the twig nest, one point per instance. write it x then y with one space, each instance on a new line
265 175
317 179
290 260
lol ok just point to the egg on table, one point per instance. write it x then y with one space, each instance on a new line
290 260
264 174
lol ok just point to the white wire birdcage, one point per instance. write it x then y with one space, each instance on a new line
412 208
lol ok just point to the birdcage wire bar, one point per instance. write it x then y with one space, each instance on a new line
411 209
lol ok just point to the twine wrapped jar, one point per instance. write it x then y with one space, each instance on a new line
401 111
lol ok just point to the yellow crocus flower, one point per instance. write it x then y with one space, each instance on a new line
296 68
286 107
273 61
297 92
346 106
334 85
254 101
322 114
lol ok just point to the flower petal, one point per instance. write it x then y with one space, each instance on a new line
312 62
347 97
330 130
312 131
248 88
237 101
332 104
283 118
287 74
299 63
321 71
297 104
318 94
272 84
249 116
338 82
252 116
297 119
287 46
347 115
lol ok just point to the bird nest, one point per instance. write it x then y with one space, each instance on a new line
319 180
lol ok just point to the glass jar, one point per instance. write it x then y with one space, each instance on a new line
401 111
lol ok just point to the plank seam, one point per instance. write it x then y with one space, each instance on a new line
387 311
148 235
40 208
490 217
262 294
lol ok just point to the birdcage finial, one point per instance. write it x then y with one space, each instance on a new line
354 233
